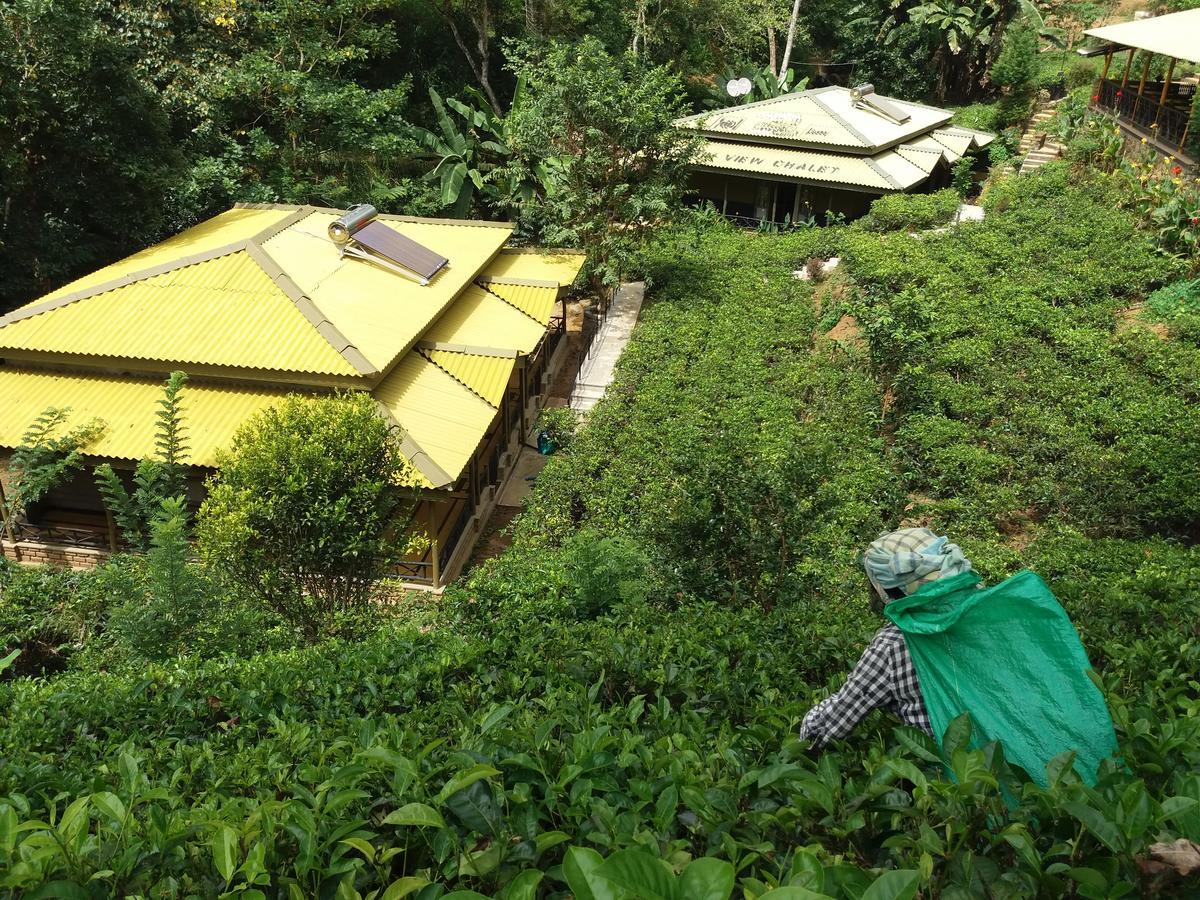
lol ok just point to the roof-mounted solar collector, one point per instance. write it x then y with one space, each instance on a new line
865 95
359 234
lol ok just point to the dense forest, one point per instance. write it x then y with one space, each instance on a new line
123 122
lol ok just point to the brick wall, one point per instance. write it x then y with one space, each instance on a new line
32 553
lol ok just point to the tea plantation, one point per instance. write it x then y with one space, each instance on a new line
627 680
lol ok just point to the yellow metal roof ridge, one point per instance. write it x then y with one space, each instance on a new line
484 280
311 312
472 349
513 305
415 453
882 173
388 217
837 117
425 355
28 312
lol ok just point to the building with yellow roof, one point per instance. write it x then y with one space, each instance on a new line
802 155
263 301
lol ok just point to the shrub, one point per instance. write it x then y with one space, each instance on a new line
912 212
309 509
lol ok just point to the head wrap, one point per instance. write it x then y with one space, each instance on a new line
911 557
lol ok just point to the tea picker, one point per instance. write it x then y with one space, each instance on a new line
1008 655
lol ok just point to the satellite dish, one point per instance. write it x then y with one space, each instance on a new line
738 87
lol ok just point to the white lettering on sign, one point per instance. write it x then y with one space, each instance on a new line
785 165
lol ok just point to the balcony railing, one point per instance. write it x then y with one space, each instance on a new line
1165 125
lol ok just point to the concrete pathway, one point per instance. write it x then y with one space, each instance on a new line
596 374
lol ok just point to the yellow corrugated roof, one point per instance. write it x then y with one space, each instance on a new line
379 312
487 376
536 302
223 312
440 416
481 319
127 406
230 227
803 165
903 172
558 267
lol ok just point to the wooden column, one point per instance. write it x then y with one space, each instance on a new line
431 524
1162 97
8 525
1128 63
1145 72
112 530
1188 125
1107 62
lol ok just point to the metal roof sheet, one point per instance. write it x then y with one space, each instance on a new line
1175 34
487 376
560 267
224 311
902 173
128 407
823 117
959 142
443 420
379 313
536 302
812 166
927 142
230 227
924 158
481 319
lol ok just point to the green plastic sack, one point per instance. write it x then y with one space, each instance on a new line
1010 657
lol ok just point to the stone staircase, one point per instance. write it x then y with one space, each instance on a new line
1035 148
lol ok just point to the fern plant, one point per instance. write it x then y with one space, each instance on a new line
154 480
45 459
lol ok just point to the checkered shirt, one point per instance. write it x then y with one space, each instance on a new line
884 678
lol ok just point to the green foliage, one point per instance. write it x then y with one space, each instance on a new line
605 571
560 423
1016 65
912 212
76 121
45 615
963 179
165 596
155 481
309 509
596 131
45 458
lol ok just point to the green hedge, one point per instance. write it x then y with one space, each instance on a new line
911 212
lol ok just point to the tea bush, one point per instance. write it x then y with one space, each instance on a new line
912 212
609 708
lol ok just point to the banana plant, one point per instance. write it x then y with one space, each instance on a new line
473 148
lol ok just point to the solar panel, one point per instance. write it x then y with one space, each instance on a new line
865 94
396 248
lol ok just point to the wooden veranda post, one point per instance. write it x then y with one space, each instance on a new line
1145 72
8 525
434 563
1107 62
1162 97
1128 63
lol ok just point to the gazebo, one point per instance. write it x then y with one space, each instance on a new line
1162 112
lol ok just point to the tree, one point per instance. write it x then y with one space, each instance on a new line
45 458
309 509
613 165
791 37
86 160
156 480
